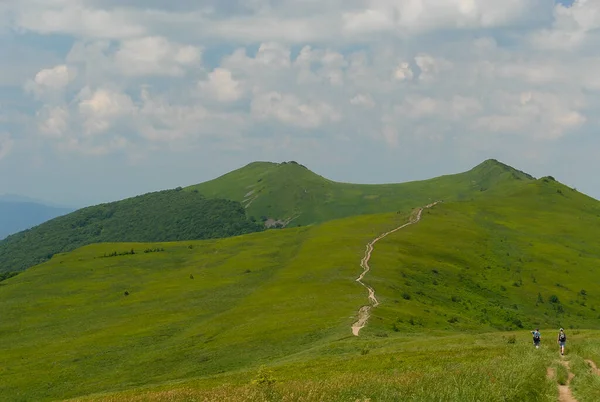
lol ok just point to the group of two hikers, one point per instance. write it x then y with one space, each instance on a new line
562 339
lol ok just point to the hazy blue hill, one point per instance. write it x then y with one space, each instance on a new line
16 216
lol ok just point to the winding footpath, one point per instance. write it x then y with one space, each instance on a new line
564 390
365 311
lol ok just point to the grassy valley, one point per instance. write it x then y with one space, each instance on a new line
197 319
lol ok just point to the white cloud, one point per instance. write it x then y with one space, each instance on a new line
288 21
363 100
423 107
76 18
407 74
403 72
154 56
222 86
53 121
6 144
138 57
102 107
538 115
368 20
51 81
573 26
431 66
288 109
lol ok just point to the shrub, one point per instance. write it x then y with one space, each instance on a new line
264 377
540 299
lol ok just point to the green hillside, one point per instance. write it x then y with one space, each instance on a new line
168 215
211 312
276 194
291 194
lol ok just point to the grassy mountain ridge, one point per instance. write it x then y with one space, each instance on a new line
280 194
168 215
288 298
289 192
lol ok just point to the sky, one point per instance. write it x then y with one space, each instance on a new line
105 99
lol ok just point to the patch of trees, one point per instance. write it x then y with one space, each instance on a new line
6 275
170 215
117 254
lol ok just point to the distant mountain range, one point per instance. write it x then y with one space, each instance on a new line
18 213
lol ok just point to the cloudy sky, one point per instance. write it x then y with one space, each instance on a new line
105 99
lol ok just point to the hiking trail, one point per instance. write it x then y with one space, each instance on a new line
365 311
592 365
564 391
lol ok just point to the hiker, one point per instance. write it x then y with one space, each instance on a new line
562 339
537 337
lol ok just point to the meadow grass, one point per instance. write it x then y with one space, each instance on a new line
202 317
586 383
520 261
68 328
452 367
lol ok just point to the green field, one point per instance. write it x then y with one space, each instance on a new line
194 320
424 367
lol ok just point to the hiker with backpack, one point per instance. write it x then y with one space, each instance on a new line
537 337
562 340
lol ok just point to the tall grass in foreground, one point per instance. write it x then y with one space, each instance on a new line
586 383
514 373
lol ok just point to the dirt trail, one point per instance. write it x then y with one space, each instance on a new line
593 366
564 392
365 311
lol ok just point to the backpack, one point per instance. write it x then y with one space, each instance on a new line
562 337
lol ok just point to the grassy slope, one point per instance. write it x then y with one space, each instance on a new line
168 215
455 367
68 329
288 190
489 260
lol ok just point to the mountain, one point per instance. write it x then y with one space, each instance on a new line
286 194
17 214
196 320
8 197
290 194
160 216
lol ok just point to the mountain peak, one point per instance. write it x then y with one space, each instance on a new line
495 167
